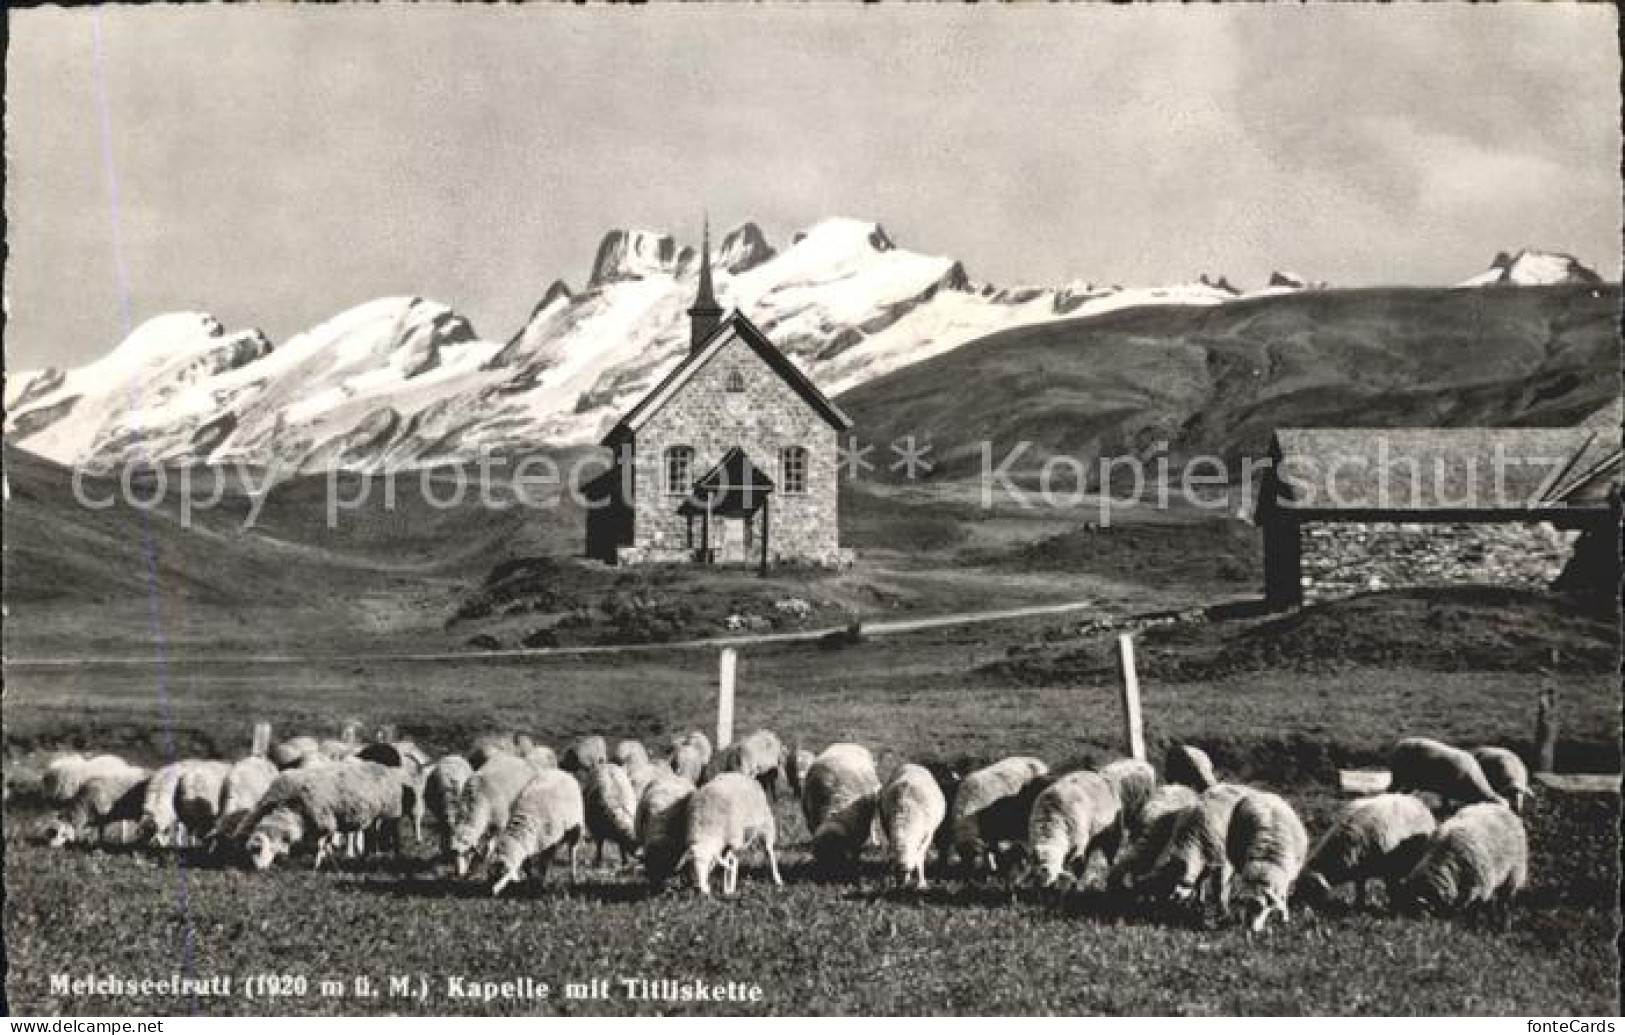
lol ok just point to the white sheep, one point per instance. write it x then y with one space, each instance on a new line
839 803
726 817
640 773
548 815
799 762
480 810
323 803
1134 782
67 772
662 823
1477 858
696 739
1266 846
612 807
335 750
990 809
688 761
541 757
198 794
244 787
291 752
1190 766
106 790
630 752
1077 816
488 745
1420 764
1382 836
1506 773
911 809
159 823
585 753
441 786
759 755
1194 865
1158 820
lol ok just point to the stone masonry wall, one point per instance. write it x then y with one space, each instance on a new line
766 416
1344 558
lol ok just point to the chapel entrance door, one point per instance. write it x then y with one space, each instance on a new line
732 548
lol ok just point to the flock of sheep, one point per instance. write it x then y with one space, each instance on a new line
514 806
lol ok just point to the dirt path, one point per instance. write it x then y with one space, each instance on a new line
882 628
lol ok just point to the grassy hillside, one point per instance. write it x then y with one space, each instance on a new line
86 579
1218 380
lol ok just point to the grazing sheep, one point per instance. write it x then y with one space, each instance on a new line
412 764
585 753
759 755
547 815
912 807
159 823
1266 846
1190 766
1478 858
641 773
1077 815
323 803
197 796
480 810
58 784
948 778
1382 836
1194 865
726 817
839 804
1420 764
107 790
696 738
662 823
630 752
688 761
1157 822
541 757
66 773
488 745
990 809
1134 782
338 750
441 787
242 790
1506 773
799 762
612 807
382 753
294 750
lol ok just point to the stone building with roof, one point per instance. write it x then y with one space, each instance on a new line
1345 510
732 458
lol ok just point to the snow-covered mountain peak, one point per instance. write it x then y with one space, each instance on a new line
407 381
744 247
1529 267
634 255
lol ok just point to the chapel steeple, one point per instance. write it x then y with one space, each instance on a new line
704 315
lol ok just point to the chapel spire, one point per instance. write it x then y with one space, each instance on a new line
704 315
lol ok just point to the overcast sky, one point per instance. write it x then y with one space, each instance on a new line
275 165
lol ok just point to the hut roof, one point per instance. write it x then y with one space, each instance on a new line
1443 469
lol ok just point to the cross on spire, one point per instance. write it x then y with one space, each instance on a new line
704 315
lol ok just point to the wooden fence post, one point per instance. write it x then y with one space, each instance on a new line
1546 729
725 697
262 740
1133 730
